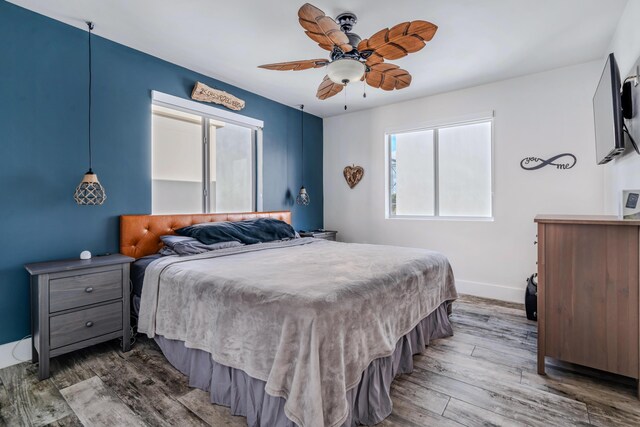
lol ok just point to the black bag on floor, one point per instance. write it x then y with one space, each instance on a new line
531 298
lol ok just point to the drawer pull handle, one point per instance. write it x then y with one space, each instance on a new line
89 324
88 290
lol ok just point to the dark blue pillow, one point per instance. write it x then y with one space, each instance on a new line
250 231
181 245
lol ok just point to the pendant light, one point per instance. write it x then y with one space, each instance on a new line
303 197
90 192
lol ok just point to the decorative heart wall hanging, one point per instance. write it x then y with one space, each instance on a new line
353 174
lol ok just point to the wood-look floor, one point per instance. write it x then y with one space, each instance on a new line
484 375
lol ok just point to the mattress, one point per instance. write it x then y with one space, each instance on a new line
138 268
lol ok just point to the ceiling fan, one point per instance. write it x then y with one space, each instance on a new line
354 59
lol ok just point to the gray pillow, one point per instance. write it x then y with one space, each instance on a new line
181 245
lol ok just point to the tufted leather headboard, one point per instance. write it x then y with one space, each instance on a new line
140 234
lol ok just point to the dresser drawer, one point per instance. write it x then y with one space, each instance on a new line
81 290
81 325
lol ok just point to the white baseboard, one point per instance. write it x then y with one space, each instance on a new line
22 352
488 290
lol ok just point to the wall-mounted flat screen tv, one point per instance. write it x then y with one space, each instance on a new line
607 112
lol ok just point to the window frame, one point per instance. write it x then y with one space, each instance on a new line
435 127
208 114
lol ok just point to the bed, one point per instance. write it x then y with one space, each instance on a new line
302 332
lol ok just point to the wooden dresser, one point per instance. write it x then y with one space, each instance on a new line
77 303
588 299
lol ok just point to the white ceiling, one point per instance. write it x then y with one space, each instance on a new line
478 41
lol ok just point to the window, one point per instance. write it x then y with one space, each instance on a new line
442 171
202 163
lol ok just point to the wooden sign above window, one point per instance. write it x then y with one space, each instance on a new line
202 92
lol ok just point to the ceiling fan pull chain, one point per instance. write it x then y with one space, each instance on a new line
364 89
345 97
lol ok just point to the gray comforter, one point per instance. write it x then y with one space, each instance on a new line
306 316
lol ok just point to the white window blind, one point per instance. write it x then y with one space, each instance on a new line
442 171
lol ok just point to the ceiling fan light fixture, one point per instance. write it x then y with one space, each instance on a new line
342 71
351 58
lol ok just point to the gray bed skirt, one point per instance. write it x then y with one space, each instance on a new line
369 401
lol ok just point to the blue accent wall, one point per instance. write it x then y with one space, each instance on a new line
43 147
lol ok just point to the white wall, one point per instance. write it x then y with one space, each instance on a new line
624 172
537 115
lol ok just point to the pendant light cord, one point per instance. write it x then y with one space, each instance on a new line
302 138
90 25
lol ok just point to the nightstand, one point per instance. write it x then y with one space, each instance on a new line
77 303
320 234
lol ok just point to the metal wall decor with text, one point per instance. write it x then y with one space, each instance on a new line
560 161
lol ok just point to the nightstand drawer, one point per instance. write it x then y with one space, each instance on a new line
84 324
325 236
320 234
78 291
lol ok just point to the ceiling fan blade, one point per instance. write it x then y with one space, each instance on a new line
400 40
388 77
328 88
296 65
321 39
322 29
374 59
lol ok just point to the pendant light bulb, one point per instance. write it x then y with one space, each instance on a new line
303 198
90 191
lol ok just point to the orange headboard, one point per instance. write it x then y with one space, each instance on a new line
140 234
